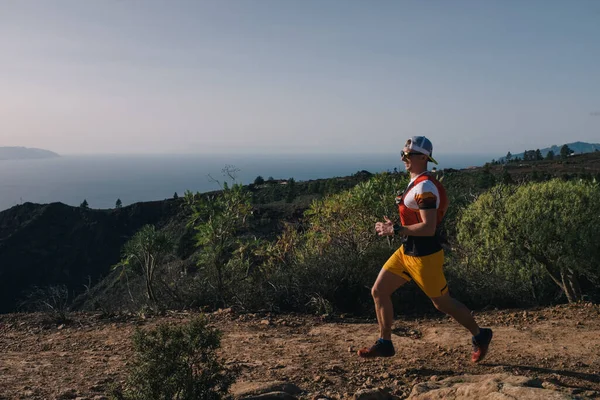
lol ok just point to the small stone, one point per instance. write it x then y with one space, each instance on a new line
265 322
68 394
371 394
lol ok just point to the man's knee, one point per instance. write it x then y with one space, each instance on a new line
378 293
443 304
375 292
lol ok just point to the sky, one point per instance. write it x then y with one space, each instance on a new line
298 76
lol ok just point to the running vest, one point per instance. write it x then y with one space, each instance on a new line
420 246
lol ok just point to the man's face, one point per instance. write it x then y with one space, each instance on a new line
413 160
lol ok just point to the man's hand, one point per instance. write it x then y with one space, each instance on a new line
385 228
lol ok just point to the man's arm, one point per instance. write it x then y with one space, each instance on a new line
425 228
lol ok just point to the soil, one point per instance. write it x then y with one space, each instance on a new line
83 358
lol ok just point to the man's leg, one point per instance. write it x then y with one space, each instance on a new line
456 310
386 284
481 337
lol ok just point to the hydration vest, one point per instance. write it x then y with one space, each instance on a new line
420 246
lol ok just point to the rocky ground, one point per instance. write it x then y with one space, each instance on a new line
550 352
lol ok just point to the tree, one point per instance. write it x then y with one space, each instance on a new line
506 178
291 190
550 155
146 251
565 151
217 220
529 155
526 232
538 155
486 179
118 203
259 180
84 204
175 196
508 157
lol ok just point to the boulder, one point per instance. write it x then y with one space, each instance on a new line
486 387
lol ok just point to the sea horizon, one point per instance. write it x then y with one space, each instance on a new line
101 179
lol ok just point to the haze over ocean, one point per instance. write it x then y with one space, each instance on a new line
101 179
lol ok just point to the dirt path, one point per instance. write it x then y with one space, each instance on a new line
559 345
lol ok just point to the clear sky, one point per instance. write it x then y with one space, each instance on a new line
142 76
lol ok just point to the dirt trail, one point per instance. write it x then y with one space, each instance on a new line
560 345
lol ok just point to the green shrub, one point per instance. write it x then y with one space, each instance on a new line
533 233
177 362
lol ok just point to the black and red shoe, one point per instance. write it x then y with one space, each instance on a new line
381 348
481 343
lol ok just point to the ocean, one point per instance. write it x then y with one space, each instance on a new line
102 179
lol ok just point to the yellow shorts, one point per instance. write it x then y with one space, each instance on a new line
427 271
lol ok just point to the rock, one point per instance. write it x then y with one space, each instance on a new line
491 386
68 394
265 322
371 394
245 390
271 396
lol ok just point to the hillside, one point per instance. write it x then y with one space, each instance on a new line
577 165
24 153
56 244
576 147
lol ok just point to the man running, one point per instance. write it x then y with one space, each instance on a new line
422 207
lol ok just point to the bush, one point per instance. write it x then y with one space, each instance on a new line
177 362
533 233
331 264
53 301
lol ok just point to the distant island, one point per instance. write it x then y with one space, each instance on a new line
574 148
24 153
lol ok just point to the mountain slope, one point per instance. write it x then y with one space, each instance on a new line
23 153
577 147
42 245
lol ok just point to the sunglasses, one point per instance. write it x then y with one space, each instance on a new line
404 154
